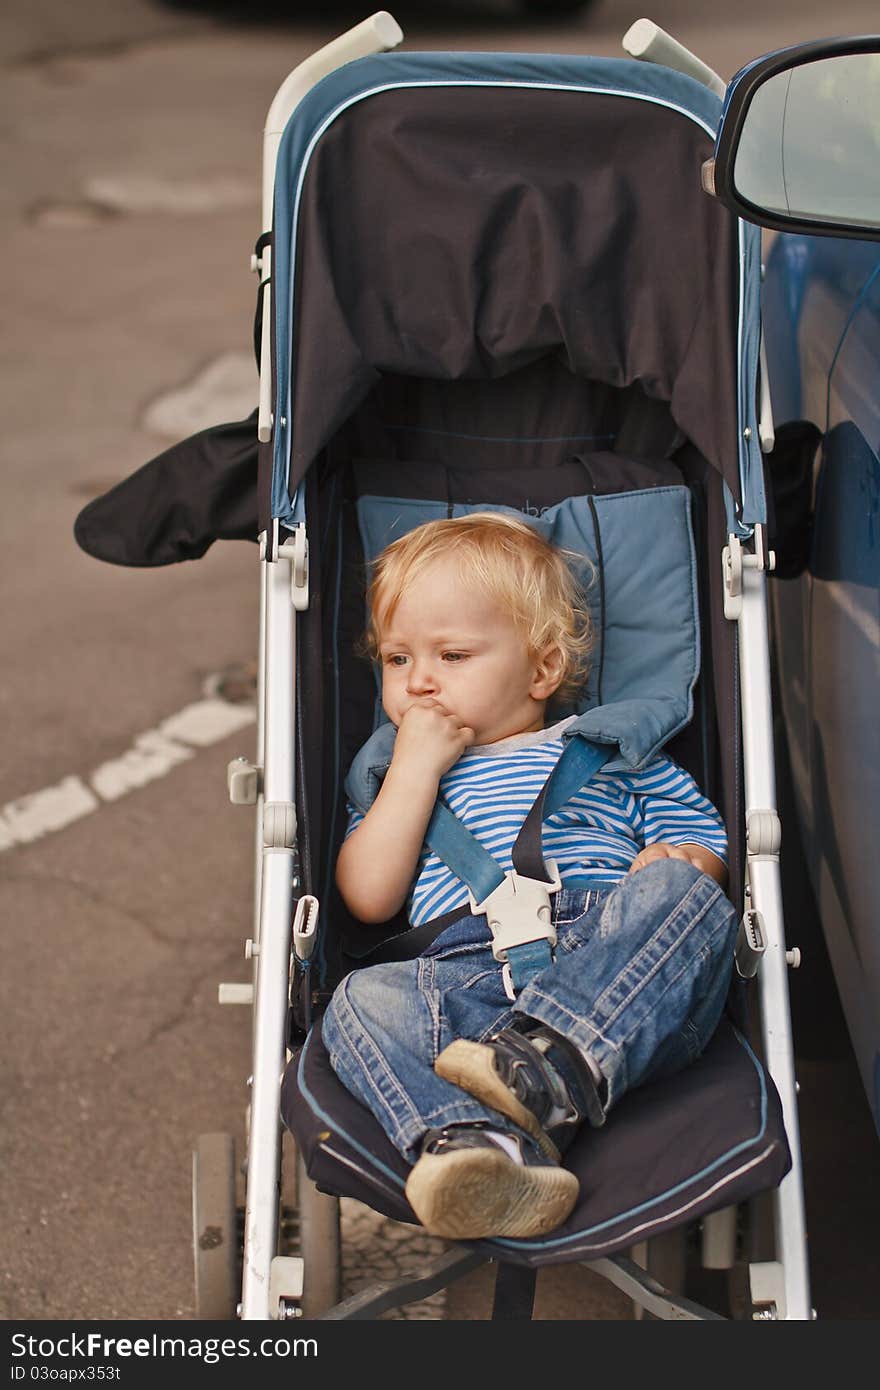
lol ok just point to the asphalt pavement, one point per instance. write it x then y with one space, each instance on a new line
131 138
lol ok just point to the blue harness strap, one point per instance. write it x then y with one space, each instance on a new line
461 852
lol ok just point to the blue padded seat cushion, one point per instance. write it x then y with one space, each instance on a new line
709 1137
646 655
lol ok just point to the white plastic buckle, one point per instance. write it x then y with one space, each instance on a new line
518 910
305 922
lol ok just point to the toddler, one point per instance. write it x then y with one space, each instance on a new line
478 623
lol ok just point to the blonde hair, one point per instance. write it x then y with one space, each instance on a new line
513 565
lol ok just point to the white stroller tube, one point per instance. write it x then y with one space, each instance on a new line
376 34
646 40
275 855
766 897
273 959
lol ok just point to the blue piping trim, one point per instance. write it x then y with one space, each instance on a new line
562 1241
298 507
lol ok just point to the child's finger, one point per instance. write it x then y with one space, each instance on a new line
652 852
650 855
674 852
640 861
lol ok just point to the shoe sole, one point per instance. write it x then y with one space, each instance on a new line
471 1066
471 1194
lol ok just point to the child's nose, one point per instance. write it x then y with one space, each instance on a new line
422 680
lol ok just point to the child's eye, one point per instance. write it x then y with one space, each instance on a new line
455 656
395 659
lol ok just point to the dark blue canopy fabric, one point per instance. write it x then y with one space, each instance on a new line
459 215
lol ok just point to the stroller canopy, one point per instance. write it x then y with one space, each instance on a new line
459 216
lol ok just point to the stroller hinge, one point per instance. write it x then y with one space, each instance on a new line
734 559
279 825
763 834
296 550
518 911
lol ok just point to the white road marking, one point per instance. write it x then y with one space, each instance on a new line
152 755
53 808
127 192
207 722
227 388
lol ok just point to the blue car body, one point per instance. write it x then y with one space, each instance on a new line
821 304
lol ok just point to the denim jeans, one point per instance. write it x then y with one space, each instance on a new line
639 981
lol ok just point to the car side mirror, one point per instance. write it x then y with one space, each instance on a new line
798 146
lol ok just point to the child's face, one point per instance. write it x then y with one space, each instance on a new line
449 644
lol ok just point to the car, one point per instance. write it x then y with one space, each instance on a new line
797 152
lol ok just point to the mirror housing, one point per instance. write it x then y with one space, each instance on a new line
798 146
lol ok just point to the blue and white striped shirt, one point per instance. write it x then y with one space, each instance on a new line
593 838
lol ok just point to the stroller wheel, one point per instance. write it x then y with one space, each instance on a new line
215 1228
318 1244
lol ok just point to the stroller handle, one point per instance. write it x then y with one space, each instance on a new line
374 35
646 40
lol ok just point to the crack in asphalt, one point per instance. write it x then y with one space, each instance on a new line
98 899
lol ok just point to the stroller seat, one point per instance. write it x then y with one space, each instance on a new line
674 1150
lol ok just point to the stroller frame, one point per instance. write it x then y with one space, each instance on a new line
272 1284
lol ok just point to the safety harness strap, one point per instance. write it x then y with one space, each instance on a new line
580 760
516 903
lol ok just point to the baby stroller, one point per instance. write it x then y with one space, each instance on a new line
495 280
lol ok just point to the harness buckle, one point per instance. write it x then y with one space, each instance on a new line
518 910
751 943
